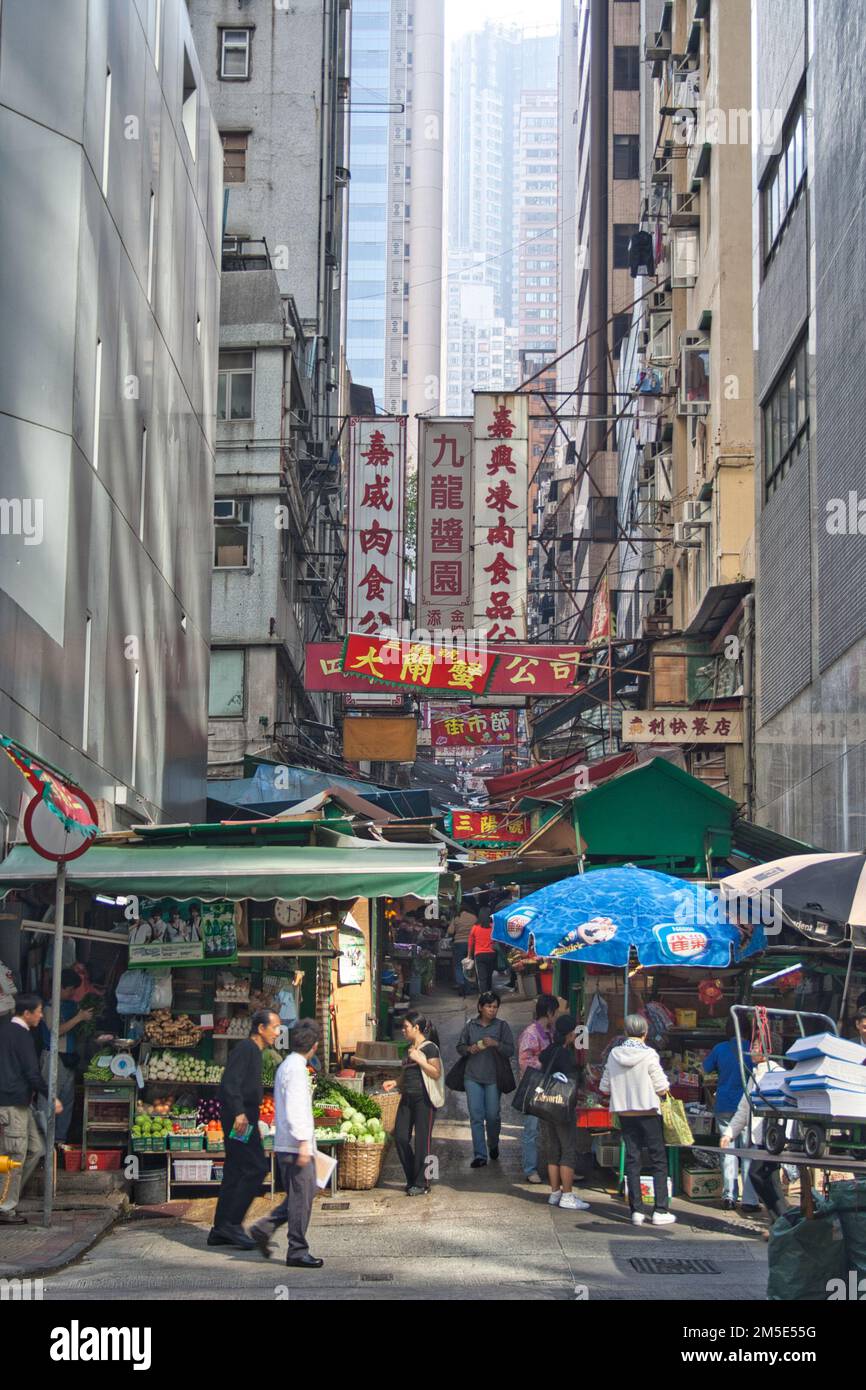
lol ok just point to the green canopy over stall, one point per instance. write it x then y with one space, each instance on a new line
260 872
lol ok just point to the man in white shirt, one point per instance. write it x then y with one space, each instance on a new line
295 1149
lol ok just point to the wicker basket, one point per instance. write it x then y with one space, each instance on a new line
359 1166
389 1103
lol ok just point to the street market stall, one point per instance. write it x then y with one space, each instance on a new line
211 925
619 924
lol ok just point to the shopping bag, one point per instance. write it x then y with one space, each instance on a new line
675 1123
525 1087
468 967
553 1098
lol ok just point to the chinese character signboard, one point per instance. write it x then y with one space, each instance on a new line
487 728
500 461
539 671
376 496
418 665
445 524
483 856
489 825
682 726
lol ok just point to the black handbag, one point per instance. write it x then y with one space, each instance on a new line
525 1086
552 1099
504 1075
456 1078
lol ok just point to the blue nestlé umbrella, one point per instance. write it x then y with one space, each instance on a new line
597 917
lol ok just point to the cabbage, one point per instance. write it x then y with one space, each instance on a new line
346 1127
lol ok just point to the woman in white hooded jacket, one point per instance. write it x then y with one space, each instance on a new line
635 1082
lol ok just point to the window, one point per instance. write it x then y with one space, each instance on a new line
235 386
621 330
784 179
189 109
622 235
231 516
234 155
106 133
626 68
226 695
786 419
97 407
659 350
685 257
626 156
694 379
235 55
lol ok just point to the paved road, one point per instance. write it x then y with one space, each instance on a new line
482 1234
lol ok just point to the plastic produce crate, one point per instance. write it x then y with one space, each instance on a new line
186 1142
192 1169
95 1160
593 1119
148 1146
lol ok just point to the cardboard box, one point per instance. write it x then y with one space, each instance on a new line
647 1190
702 1183
686 1018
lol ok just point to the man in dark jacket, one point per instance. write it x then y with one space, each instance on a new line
20 1080
241 1094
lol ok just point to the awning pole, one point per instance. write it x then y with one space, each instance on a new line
845 990
56 971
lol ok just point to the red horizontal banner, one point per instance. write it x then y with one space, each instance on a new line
494 728
489 825
417 665
520 669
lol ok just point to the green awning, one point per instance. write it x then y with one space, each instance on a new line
236 872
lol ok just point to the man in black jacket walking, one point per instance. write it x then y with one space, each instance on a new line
20 1080
241 1094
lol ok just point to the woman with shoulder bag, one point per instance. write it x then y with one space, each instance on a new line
422 1093
487 1045
558 1139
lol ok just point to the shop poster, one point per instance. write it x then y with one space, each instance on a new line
183 933
353 959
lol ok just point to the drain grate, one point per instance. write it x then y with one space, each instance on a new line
377 1278
335 1206
650 1266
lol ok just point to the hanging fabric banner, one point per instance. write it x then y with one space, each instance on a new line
377 473
445 524
500 464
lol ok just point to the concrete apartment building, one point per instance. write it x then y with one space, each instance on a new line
394 329
111 174
600 204
810 277
278 80
481 348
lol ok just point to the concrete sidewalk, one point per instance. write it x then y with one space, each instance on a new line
27 1252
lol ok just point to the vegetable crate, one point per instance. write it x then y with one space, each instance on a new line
148 1146
359 1166
186 1142
215 1145
350 1083
192 1169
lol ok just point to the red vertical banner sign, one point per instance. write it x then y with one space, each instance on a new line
377 489
445 524
500 468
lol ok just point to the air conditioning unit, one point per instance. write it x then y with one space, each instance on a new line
694 514
660 299
683 537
